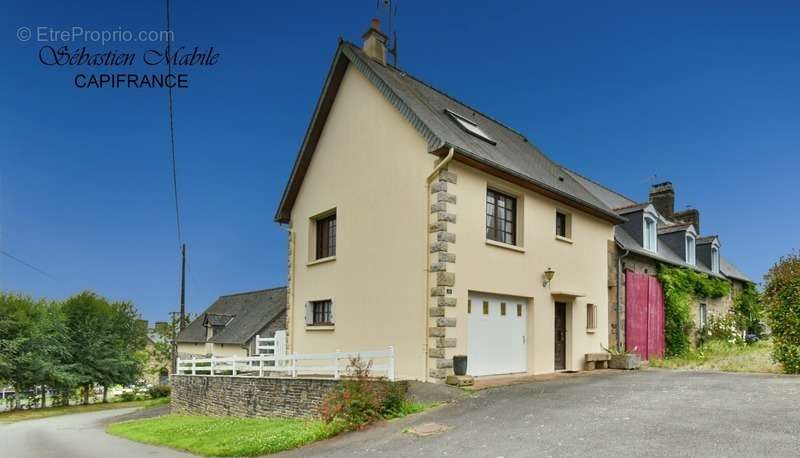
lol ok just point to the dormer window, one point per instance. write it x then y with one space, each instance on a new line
690 250
471 127
650 237
715 259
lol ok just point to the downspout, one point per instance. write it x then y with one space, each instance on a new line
446 160
619 295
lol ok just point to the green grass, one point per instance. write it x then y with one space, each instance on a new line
32 414
410 408
224 436
726 357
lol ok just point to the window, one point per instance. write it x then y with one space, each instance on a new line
591 317
519 309
485 307
714 259
321 313
503 308
690 249
471 127
561 224
650 236
501 217
703 315
326 237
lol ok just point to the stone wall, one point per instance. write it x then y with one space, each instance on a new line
249 396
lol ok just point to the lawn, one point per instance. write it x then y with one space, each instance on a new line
32 414
722 356
224 436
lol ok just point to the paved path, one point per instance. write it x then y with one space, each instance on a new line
77 435
642 413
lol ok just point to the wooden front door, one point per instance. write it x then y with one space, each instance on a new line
560 362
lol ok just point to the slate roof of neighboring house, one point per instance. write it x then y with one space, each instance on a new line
426 109
624 205
242 314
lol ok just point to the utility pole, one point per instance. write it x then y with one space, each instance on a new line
182 323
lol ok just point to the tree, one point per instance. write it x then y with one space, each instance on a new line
748 311
782 301
165 347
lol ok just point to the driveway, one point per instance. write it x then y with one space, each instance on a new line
650 412
78 435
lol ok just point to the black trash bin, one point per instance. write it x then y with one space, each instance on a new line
460 364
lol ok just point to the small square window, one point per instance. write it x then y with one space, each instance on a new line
485 307
519 309
591 317
503 308
321 313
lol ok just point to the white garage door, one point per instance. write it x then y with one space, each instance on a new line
497 340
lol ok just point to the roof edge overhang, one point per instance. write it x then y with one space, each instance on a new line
499 171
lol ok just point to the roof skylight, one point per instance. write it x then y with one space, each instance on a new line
471 127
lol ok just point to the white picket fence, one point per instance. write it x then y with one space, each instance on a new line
333 365
272 345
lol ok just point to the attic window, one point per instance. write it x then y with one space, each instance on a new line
471 127
650 239
715 259
690 249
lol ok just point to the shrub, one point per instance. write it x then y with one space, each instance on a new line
749 312
127 396
361 400
159 391
722 328
782 301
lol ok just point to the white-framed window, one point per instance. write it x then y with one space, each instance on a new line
591 317
714 259
650 236
690 249
703 309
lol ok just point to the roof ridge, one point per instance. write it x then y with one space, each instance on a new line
406 74
253 292
597 183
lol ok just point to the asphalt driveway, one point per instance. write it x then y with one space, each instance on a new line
651 412
77 436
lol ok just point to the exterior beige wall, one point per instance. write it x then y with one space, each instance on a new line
580 266
371 166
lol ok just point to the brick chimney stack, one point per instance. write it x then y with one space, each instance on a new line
375 42
662 196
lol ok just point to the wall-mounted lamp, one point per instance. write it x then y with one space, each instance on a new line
548 275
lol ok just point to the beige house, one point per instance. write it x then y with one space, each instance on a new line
418 222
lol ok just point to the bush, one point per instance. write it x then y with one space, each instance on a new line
127 396
721 328
159 391
782 301
361 400
749 312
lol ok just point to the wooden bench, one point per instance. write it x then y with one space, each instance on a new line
596 361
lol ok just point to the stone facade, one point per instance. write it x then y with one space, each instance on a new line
442 240
249 396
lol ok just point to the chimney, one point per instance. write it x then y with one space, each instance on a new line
662 196
375 42
691 215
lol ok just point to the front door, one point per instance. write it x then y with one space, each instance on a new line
560 362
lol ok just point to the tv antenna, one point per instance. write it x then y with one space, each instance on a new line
387 9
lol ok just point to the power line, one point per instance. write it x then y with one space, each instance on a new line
172 130
30 266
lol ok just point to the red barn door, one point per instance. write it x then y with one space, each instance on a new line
644 315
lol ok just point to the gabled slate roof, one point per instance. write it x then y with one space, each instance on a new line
664 253
426 109
242 314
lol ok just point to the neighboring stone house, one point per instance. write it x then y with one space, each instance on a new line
418 222
654 233
229 326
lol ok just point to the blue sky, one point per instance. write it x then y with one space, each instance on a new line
706 96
